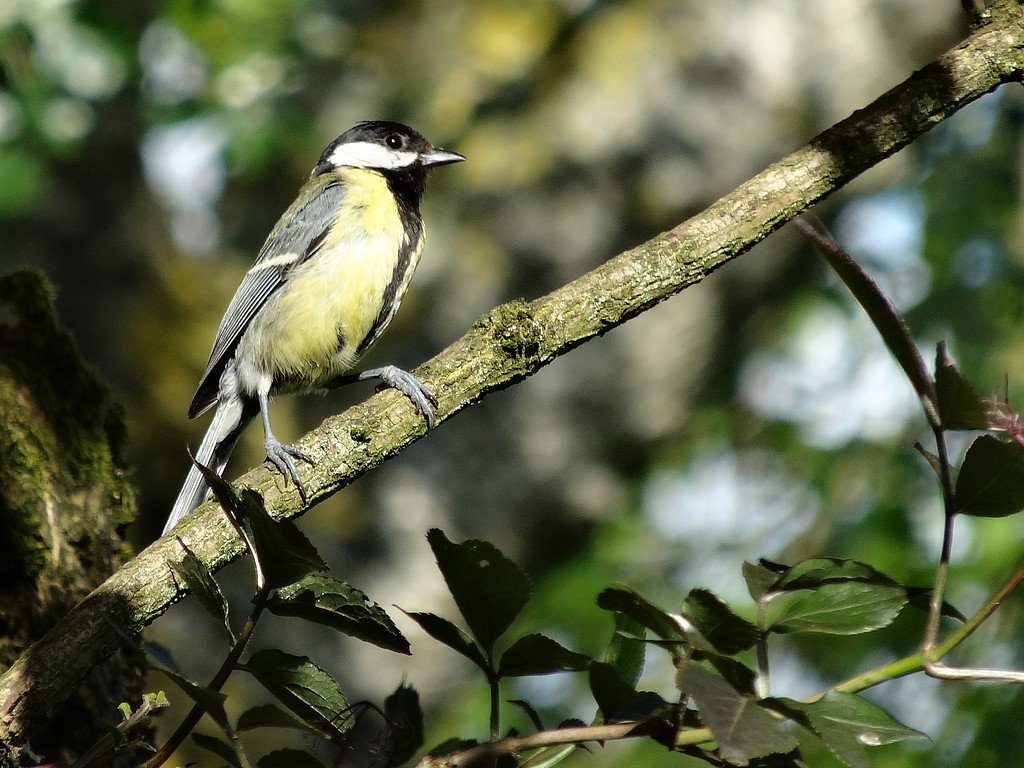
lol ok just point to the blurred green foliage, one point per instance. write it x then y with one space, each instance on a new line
146 148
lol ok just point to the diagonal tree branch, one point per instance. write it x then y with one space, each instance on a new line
515 340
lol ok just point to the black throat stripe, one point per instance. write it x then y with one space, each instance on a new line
407 187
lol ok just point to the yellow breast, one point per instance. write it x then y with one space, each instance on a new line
310 329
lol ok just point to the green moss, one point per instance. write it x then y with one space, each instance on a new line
62 434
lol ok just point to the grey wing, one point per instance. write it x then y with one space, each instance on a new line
296 237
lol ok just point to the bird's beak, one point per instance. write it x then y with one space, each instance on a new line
438 156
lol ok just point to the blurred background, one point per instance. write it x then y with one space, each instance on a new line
146 148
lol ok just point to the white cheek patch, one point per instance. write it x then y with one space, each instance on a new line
365 154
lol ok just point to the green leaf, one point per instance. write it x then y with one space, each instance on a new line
444 631
921 598
627 650
614 696
288 758
540 655
991 480
285 554
529 710
200 582
270 716
405 725
810 574
737 674
846 723
489 589
840 608
759 579
630 604
788 760
211 702
303 687
724 630
959 404
217 747
229 501
887 321
743 729
333 603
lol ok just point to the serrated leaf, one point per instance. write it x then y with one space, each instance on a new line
810 574
200 582
539 655
285 554
288 758
530 712
743 729
627 650
270 716
846 724
303 687
921 598
884 316
229 501
959 404
451 635
724 630
217 747
614 696
788 760
333 603
641 610
405 725
991 479
210 701
839 608
736 673
489 589
759 579
771 565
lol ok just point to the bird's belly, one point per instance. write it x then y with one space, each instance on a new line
311 329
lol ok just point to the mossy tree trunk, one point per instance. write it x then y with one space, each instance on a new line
64 495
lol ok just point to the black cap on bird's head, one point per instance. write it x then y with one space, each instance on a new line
383 145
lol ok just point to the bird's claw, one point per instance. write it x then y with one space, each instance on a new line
283 457
408 385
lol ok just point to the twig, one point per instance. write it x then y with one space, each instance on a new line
513 745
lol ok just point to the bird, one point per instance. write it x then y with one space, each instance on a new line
323 287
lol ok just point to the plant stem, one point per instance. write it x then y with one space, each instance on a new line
556 737
928 659
931 631
763 682
495 685
196 713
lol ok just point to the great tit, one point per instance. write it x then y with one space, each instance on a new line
323 288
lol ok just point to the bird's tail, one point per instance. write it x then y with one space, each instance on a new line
230 419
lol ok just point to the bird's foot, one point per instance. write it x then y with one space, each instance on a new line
283 457
408 385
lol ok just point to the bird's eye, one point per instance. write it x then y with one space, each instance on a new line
394 141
